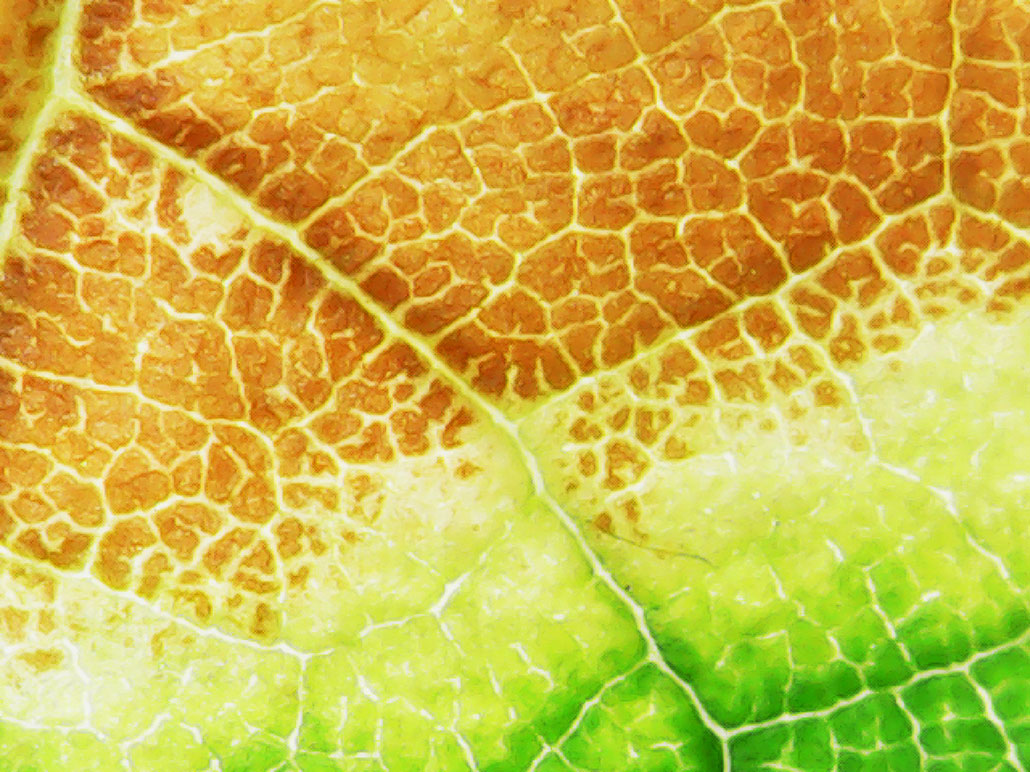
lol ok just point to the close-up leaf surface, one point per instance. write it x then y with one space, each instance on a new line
514 385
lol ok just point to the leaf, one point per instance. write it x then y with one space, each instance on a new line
568 385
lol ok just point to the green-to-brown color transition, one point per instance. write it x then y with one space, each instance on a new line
509 385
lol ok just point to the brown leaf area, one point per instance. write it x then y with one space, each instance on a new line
180 408
538 191
544 189
26 28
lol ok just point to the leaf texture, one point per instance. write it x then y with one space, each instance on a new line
485 385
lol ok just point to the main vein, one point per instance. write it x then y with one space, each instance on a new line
66 93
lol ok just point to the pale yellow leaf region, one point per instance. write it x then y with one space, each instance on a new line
480 375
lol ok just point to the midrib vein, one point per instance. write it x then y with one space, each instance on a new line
76 101
67 94
60 79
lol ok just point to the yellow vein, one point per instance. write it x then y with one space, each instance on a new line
59 80
290 236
